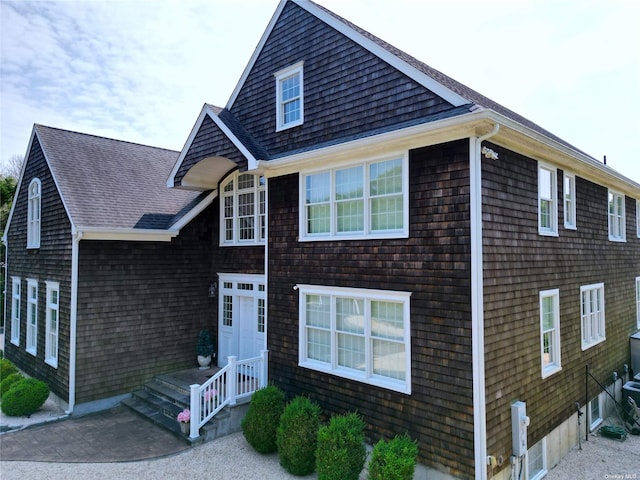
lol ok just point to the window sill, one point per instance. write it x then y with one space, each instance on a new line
31 351
51 362
402 387
586 346
550 370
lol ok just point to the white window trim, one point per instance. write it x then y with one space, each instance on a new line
556 365
588 344
16 286
257 189
293 70
623 235
33 224
50 306
32 349
568 223
367 233
333 369
595 422
551 231
638 218
638 302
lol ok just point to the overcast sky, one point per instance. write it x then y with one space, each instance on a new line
140 70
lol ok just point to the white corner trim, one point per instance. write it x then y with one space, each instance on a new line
194 212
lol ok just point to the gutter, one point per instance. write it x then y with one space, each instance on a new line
73 317
477 305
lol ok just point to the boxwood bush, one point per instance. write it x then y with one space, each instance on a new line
341 452
393 460
8 382
7 368
24 397
260 424
297 436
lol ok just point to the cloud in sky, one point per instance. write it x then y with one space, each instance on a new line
140 70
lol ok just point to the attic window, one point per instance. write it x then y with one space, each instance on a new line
33 214
289 97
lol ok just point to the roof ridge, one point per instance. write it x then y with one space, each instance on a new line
111 139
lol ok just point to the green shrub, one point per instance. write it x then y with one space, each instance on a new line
393 460
297 436
7 368
341 453
24 397
260 424
8 382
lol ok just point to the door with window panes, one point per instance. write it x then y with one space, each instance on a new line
241 322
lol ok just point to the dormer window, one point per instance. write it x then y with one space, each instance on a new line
33 214
289 97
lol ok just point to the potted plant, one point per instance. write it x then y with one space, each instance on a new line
184 418
204 349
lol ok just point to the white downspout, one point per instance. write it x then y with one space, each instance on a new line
73 314
4 293
477 306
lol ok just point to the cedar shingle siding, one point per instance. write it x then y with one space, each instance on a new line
140 308
518 264
347 90
52 262
433 264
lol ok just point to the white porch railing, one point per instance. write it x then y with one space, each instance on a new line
238 379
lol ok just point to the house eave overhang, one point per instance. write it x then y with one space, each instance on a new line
207 172
126 234
512 135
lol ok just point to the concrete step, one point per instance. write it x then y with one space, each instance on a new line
166 392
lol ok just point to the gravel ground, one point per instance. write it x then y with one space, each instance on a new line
231 458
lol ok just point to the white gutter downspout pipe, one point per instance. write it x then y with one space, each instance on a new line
75 250
477 305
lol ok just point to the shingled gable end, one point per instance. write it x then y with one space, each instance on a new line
405 248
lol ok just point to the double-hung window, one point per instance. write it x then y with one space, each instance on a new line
32 316
592 315
15 310
550 331
616 217
547 200
243 210
33 214
569 194
52 324
368 199
289 97
363 335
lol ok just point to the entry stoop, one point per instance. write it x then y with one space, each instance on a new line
161 399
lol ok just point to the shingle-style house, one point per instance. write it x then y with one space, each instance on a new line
400 244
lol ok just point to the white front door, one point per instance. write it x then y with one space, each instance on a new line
241 322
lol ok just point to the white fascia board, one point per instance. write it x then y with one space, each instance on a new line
207 110
187 146
34 135
431 133
252 161
382 53
256 53
126 234
194 212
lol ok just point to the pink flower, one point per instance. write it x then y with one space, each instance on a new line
184 416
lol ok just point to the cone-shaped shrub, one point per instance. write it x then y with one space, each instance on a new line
260 424
7 382
7 368
24 397
341 453
393 460
297 436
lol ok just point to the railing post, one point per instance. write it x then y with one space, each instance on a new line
194 407
232 380
264 375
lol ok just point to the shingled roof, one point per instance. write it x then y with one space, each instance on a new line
113 184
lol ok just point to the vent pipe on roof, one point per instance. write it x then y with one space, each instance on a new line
605 159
